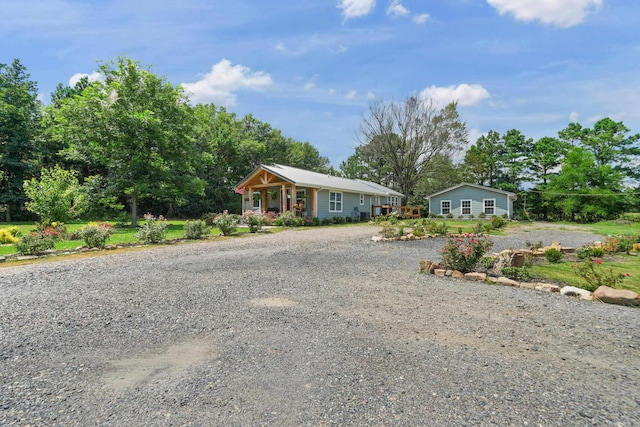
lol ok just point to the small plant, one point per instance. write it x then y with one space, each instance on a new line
389 231
153 230
625 244
289 219
327 221
516 273
418 230
226 222
464 253
471 216
505 216
433 227
487 262
7 238
595 275
533 246
498 222
194 230
487 227
34 243
482 215
479 228
95 235
610 244
553 255
393 218
449 215
254 221
338 220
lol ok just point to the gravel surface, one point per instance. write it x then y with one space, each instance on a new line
310 327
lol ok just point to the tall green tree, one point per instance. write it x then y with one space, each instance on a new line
543 162
584 189
484 159
409 134
56 195
19 127
609 142
138 127
513 161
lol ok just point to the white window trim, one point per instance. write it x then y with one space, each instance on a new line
336 201
470 207
361 199
484 206
441 202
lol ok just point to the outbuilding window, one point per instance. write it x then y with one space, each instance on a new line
445 207
361 199
465 206
489 206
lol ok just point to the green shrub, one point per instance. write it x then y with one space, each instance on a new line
389 231
498 222
95 235
34 243
487 262
418 231
487 227
338 220
393 218
516 273
464 253
153 230
7 238
433 227
595 275
327 221
533 246
553 255
254 221
449 215
14 231
482 215
226 222
194 230
289 219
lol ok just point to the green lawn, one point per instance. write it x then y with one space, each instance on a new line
563 271
122 235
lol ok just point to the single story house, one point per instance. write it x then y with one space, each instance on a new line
280 188
466 199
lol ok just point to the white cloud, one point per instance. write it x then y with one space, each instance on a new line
356 8
396 9
93 77
351 94
309 86
573 117
465 94
563 13
332 92
371 95
421 19
280 46
474 134
219 85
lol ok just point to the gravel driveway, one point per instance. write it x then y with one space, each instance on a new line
310 327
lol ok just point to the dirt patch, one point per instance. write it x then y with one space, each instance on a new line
128 373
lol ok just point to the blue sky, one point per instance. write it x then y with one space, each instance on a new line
311 67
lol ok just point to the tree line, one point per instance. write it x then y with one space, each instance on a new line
131 141
582 174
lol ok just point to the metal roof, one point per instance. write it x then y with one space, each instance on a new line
305 178
466 184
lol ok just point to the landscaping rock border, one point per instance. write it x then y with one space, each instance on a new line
603 293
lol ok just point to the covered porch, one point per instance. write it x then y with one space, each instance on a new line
267 192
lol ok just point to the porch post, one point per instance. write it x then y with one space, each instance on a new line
264 200
312 202
293 197
250 200
283 198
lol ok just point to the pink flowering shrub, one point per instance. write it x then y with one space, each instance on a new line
595 274
464 253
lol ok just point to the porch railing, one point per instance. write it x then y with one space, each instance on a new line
402 211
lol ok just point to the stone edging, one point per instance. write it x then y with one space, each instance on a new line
602 294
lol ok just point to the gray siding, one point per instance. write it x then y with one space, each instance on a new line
349 202
477 196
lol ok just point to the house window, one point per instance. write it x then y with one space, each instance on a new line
392 200
335 201
465 206
445 207
361 199
489 206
